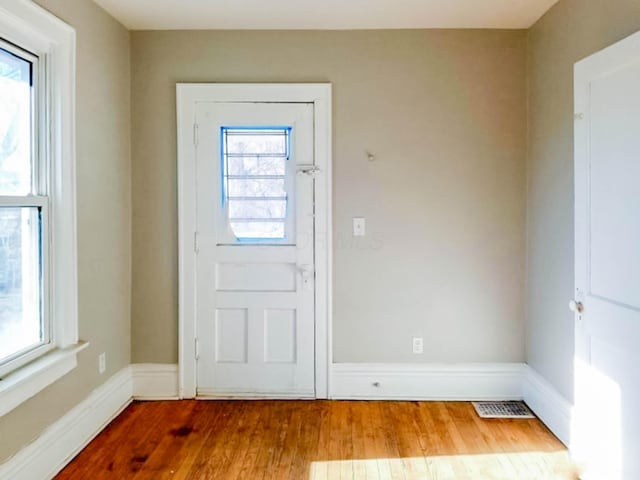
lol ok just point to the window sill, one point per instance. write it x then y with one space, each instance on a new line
24 383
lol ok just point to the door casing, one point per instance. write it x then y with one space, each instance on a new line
187 97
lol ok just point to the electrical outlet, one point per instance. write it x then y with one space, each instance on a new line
102 362
418 345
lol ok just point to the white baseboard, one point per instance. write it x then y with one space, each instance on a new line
63 440
551 407
155 381
494 381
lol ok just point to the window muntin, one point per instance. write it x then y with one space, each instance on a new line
24 329
256 182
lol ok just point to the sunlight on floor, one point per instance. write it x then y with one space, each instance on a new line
506 466
596 436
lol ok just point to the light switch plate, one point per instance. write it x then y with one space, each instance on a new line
359 227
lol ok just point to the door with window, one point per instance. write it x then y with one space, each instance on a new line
255 249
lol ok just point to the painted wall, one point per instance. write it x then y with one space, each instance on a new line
445 114
104 218
570 31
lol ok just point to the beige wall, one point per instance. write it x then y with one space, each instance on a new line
571 30
104 218
444 113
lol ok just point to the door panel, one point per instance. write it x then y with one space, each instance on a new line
255 266
280 335
614 227
231 335
256 277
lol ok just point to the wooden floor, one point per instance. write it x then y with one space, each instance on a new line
318 440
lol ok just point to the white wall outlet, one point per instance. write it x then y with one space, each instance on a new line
102 362
359 227
418 345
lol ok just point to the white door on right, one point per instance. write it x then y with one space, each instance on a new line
606 432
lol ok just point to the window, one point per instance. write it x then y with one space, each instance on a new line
256 176
38 279
23 209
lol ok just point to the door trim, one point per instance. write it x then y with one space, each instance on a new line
187 96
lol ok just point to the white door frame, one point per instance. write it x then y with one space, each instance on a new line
187 97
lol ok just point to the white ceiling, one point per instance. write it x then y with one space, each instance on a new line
324 14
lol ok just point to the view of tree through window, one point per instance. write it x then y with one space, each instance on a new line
15 124
20 225
255 189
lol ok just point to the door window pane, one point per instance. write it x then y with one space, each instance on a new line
258 209
256 188
257 141
16 80
258 230
257 166
254 176
21 326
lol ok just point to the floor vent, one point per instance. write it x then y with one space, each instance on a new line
502 410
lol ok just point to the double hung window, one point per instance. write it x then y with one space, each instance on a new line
24 320
38 250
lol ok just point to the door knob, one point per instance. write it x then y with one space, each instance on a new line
576 307
305 271
306 274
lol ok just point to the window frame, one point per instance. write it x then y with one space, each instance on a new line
47 344
34 30
289 179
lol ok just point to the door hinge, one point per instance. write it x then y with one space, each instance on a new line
195 134
578 116
197 348
196 244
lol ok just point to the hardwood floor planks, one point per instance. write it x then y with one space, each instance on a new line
319 440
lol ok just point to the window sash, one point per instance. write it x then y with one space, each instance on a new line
47 343
38 144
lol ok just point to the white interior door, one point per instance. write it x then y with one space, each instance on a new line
607 304
255 261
